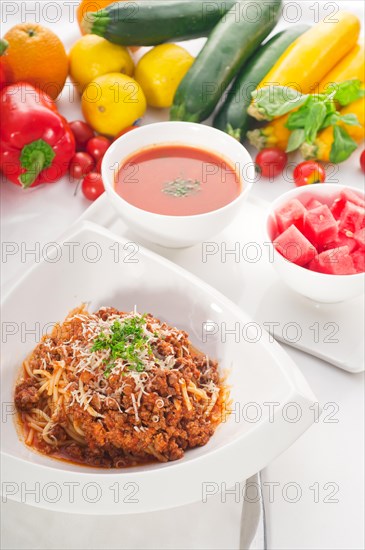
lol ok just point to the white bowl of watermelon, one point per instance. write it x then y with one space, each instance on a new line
318 233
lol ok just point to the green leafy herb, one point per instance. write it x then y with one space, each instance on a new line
126 341
346 92
331 119
296 139
275 101
350 119
343 145
296 120
332 114
181 187
309 114
314 121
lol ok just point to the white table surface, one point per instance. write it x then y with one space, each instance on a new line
329 458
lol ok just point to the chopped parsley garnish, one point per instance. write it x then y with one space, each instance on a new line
181 187
127 341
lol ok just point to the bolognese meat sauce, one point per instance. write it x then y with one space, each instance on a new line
116 389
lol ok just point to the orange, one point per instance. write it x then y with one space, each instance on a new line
36 55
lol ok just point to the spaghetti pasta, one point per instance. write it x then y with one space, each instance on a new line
115 389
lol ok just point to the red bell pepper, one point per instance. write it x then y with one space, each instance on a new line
36 142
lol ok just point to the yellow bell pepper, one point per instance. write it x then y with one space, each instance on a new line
314 53
321 148
275 133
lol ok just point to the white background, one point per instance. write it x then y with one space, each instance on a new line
327 453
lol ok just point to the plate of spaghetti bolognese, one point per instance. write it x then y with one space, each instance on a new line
124 387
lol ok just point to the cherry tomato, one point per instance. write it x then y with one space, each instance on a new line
92 186
82 133
309 172
125 131
98 166
362 161
97 146
80 165
271 162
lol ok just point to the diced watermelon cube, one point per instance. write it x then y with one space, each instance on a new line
309 200
342 240
313 203
358 258
352 196
337 207
352 218
294 246
291 213
359 238
336 261
346 195
320 227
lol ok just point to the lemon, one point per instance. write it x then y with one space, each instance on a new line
93 56
160 72
112 102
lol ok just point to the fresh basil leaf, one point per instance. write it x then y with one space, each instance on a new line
330 106
330 120
343 145
346 92
316 115
274 101
297 119
350 119
296 139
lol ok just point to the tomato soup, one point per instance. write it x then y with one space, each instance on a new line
177 180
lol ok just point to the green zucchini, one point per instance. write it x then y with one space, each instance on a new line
232 116
151 22
232 41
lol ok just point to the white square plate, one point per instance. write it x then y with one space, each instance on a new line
272 401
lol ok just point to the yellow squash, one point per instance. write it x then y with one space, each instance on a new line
275 134
352 66
314 53
321 148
